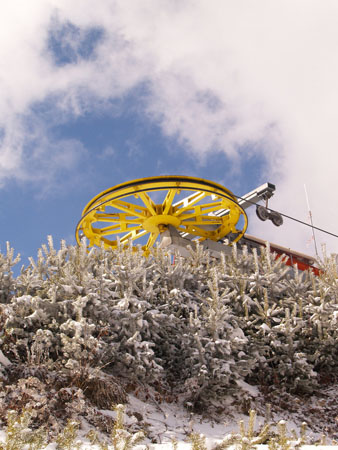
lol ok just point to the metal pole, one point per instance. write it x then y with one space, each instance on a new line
311 222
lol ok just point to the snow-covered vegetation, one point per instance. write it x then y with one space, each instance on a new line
79 331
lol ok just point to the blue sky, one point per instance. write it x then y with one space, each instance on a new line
117 150
95 95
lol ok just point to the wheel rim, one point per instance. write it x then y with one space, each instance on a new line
129 212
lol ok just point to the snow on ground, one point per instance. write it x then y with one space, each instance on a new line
164 423
171 421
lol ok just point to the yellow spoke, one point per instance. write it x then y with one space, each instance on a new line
152 239
225 229
168 201
115 218
196 231
201 221
213 205
129 208
108 243
104 230
148 202
188 200
188 203
133 235
199 213
116 229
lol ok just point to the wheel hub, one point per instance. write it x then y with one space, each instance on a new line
155 224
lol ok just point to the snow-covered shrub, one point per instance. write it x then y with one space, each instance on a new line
55 395
7 281
199 327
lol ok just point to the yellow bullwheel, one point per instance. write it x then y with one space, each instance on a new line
142 209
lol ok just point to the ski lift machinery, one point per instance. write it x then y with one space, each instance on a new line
190 209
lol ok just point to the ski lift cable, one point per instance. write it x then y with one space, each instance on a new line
292 218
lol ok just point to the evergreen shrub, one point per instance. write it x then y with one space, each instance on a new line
200 328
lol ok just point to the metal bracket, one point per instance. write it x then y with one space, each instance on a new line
171 238
263 192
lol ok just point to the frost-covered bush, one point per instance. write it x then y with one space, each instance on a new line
200 327
7 281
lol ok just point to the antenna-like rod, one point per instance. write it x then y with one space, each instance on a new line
311 222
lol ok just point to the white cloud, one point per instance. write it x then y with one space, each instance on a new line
220 75
107 152
273 68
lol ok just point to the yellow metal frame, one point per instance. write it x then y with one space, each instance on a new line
130 212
